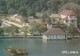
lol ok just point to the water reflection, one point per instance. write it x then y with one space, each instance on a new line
38 47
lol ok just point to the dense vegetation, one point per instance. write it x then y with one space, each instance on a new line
30 7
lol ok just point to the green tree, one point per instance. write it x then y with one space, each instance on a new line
30 7
11 31
0 22
64 27
35 30
30 12
43 27
71 30
1 32
44 17
22 11
25 29
11 11
38 29
3 9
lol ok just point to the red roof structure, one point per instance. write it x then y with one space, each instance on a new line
68 12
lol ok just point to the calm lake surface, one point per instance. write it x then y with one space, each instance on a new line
38 47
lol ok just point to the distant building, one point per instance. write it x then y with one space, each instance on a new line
54 33
69 17
55 18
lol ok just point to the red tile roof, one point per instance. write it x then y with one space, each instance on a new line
68 12
54 31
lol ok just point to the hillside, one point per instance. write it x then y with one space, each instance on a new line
30 7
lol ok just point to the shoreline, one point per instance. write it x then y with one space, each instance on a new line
20 37
32 37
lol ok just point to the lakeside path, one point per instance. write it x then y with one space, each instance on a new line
9 37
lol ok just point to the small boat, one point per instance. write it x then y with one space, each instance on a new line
16 51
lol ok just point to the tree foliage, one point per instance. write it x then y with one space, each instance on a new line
30 7
1 32
25 29
11 31
72 30
38 29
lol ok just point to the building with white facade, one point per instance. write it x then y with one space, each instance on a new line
69 17
54 33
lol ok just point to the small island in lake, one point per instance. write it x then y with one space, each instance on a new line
16 51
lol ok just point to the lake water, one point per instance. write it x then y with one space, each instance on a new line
38 47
